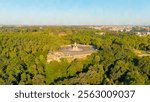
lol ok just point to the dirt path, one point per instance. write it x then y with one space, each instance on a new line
141 53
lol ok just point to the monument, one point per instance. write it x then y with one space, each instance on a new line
71 52
74 47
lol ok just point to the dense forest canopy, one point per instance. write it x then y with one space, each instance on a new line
23 55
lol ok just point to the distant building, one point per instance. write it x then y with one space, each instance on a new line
114 28
143 33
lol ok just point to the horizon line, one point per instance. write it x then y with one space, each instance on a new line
73 25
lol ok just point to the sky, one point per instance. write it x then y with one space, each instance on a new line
74 12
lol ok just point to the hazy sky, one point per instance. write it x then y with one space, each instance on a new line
75 12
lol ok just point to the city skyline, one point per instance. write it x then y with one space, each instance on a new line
74 12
